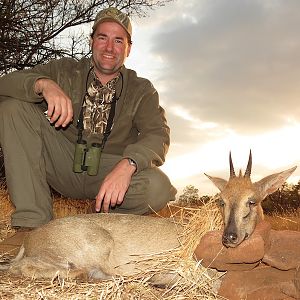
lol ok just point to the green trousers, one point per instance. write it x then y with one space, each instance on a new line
37 155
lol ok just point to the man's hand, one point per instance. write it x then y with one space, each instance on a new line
114 186
60 110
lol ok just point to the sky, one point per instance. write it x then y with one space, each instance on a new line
228 76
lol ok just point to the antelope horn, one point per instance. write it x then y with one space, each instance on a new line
232 173
249 166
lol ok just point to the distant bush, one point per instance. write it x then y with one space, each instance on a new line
283 200
191 197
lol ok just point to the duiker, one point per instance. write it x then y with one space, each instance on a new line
95 246
240 201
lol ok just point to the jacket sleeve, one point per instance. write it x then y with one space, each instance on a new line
20 84
153 139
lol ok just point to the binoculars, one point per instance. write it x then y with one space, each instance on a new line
87 158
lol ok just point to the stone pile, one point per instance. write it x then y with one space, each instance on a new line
266 266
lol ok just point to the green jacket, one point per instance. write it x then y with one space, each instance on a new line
140 129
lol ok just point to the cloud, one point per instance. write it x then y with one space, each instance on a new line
233 63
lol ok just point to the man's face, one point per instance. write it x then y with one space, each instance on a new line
110 47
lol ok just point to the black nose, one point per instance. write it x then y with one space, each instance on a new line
229 238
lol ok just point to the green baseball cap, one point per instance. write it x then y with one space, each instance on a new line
115 15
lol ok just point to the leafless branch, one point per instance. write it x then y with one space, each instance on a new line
31 31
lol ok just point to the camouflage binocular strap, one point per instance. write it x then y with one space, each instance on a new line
110 119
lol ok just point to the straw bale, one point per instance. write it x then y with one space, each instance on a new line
62 206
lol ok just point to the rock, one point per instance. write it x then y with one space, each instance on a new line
263 282
266 266
246 256
284 251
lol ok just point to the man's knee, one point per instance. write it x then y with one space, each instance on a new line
14 106
16 111
160 190
8 116
8 106
150 190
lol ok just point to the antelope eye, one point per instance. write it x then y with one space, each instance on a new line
251 202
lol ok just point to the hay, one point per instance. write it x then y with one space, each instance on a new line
6 207
62 206
193 281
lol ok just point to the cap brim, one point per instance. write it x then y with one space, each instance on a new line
105 19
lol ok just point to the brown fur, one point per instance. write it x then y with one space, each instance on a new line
95 246
240 201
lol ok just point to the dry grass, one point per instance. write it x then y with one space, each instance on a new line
194 282
285 221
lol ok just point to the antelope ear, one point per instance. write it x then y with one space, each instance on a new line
218 182
271 183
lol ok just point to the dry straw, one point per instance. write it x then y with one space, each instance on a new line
191 280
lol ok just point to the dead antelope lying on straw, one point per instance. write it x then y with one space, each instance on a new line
240 201
96 246
104 245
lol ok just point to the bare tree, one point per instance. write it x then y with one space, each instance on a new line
35 31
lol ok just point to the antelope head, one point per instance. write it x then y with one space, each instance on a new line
240 201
